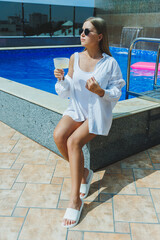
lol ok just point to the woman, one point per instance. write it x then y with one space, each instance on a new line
93 84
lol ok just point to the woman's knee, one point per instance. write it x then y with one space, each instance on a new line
59 136
73 142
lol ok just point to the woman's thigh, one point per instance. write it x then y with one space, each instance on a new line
81 135
66 127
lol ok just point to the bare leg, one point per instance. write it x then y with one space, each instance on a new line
74 144
62 132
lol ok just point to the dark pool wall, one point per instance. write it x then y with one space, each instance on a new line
138 14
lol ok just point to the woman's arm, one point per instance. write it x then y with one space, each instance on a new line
71 66
62 87
113 91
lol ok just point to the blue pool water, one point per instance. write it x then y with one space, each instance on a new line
34 67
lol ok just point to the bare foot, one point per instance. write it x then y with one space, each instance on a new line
75 205
84 178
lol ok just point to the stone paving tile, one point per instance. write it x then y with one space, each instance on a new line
55 156
97 216
17 165
20 212
33 156
44 182
113 168
7 159
6 131
134 209
75 235
18 186
156 198
7 178
62 169
143 191
140 160
47 196
51 162
17 136
66 189
105 236
8 200
63 204
122 227
43 224
154 153
10 227
147 178
26 143
145 231
124 185
127 171
6 145
105 197
36 174
57 180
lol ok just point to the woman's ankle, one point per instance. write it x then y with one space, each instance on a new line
74 197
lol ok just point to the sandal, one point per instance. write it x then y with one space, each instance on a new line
85 186
73 215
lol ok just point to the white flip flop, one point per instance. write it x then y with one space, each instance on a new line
84 188
73 215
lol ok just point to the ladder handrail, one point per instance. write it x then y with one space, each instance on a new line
156 69
142 39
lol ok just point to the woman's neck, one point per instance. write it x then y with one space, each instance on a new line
93 53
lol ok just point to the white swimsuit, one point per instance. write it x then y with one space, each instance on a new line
81 93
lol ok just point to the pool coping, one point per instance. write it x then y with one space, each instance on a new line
45 99
38 47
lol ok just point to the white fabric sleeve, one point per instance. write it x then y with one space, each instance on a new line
62 87
115 84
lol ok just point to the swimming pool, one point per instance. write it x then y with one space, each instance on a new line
34 67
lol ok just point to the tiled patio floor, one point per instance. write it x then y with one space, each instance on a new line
123 204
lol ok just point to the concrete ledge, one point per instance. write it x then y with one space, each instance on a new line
129 135
37 41
35 113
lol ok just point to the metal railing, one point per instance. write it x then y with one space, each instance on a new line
154 40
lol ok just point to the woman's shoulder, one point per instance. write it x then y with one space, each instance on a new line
81 54
110 59
107 60
74 56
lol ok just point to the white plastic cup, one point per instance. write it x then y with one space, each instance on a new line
61 63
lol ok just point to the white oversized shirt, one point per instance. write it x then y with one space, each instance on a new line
108 75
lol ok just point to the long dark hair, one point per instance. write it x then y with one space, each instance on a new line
101 27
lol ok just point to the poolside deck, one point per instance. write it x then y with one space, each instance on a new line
153 93
123 204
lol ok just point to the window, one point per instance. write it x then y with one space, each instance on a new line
11 19
36 20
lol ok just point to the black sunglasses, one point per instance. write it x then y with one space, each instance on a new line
86 31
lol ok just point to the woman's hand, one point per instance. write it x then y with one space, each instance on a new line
93 86
59 73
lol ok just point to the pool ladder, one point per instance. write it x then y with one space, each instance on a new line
153 95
